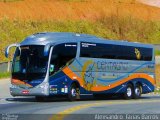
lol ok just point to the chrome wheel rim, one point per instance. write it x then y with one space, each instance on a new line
129 92
73 92
137 91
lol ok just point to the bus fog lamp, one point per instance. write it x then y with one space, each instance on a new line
13 86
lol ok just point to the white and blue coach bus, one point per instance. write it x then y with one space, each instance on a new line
50 64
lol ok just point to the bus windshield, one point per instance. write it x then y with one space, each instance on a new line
29 63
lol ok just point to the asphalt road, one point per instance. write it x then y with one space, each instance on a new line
87 108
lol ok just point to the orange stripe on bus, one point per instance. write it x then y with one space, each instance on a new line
72 76
19 82
131 77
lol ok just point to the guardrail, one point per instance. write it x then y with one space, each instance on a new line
5 66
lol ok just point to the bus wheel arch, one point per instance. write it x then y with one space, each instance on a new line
137 90
74 91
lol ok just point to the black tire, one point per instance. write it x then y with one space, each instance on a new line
129 92
137 91
74 93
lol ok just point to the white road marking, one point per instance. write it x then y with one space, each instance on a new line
4 101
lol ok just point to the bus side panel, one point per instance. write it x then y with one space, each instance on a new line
58 84
147 87
99 75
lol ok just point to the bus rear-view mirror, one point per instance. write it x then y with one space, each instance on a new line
8 48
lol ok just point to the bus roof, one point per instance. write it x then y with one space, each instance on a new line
46 38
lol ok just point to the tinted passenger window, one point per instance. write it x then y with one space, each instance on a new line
109 51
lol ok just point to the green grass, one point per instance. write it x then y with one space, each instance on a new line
157 52
5 75
113 27
157 90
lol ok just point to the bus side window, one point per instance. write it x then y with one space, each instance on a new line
62 55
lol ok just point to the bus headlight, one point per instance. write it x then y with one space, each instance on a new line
13 86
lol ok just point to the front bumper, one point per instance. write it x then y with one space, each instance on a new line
40 90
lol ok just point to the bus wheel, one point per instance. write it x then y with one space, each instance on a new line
74 93
129 92
137 91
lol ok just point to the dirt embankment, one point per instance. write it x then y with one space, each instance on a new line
76 9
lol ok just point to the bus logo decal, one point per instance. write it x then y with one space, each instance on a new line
138 54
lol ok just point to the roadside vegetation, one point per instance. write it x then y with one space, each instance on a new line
157 52
111 19
158 76
113 27
5 75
